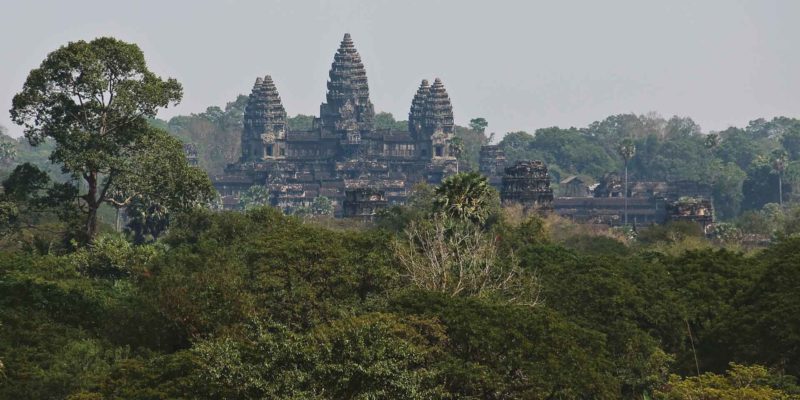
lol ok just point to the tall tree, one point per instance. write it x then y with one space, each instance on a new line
156 179
93 100
478 125
712 141
457 149
626 150
790 140
779 159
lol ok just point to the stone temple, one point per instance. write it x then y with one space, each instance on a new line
343 151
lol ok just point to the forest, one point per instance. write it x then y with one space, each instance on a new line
120 278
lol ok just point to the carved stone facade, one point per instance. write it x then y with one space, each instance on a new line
364 203
264 135
692 209
527 183
611 185
647 203
343 149
492 164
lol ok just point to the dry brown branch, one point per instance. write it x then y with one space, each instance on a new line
459 259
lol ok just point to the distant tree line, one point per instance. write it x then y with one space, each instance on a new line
450 296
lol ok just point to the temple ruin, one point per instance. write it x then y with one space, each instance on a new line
646 202
364 203
527 183
343 150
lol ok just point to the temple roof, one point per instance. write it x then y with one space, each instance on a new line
438 109
348 78
264 107
417 113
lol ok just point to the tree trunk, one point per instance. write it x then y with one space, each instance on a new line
780 189
92 204
625 195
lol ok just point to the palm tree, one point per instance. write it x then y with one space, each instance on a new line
465 196
779 160
626 150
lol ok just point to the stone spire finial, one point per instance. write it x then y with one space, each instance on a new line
275 106
264 114
348 103
438 110
416 115
347 41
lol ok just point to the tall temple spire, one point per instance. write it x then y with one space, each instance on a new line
416 115
274 104
264 122
348 113
437 124
438 110
348 78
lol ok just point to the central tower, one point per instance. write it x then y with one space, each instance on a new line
348 113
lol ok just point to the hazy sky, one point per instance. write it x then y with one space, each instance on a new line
522 65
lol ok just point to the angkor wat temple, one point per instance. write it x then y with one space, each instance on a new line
527 183
362 169
343 151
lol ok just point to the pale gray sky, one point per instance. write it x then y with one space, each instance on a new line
520 64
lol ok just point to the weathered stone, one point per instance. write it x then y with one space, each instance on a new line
610 186
264 131
342 149
527 183
364 202
416 116
692 209
492 164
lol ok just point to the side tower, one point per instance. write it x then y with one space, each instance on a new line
348 113
264 134
416 120
492 163
437 124
527 183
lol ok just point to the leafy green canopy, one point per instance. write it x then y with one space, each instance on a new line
93 100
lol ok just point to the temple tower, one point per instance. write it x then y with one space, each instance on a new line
527 183
437 124
416 116
492 164
348 113
264 134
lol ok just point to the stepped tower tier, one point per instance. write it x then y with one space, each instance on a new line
341 149
348 113
437 124
264 134
416 117
527 183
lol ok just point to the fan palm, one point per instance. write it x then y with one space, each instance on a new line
465 196
626 150
779 160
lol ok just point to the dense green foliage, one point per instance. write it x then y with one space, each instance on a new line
448 297
91 100
260 305
737 163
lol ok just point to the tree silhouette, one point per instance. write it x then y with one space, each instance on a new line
626 150
778 160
